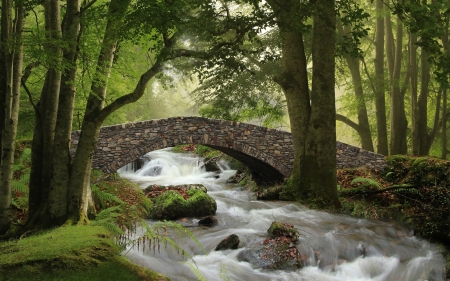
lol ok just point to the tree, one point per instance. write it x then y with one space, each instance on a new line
313 122
11 59
59 188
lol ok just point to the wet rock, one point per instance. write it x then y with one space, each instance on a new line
208 221
276 254
154 190
236 178
281 229
271 193
173 204
211 166
231 242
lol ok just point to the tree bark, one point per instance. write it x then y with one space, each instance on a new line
61 162
422 105
414 82
398 122
445 42
45 124
14 60
313 122
294 83
363 120
380 104
79 180
318 170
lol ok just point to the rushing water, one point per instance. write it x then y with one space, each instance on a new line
336 247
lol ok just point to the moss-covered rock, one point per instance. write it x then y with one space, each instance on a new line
171 205
281 229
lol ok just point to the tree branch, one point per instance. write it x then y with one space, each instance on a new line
346 120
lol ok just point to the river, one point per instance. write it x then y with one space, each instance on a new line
336 247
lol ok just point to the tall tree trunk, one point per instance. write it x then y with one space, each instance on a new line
61 163
422 105
45 123
380 104
444 147
294 82
14 61
445 42
363 120
79 180
313 122
398 123
318 168
414 82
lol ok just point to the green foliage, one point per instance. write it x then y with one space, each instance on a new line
206 151
73 253
429 21
352 15
19 185
366 183
102 197
107 219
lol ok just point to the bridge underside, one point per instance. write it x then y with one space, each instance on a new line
262 173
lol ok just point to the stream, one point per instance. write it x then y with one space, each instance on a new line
336 247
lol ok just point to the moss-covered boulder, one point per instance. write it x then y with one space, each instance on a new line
172 204
281 229
275 254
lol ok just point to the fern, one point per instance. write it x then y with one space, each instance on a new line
20 203
366 182
102 197
18 186
406 189
107 219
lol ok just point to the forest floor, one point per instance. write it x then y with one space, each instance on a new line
414 191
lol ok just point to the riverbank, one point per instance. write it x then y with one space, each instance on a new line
70 253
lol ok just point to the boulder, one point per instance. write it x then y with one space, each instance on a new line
173 204
270 193
211 166
281 229
208 221
231 242
275 254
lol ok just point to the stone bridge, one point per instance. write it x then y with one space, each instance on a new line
267 152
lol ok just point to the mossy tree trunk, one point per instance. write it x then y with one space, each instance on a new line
51 158
12 59
398 122
313 122
380 103
45 124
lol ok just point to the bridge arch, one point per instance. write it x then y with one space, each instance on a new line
267 152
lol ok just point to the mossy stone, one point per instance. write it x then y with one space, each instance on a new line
171 205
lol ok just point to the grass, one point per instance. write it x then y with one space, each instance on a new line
68 253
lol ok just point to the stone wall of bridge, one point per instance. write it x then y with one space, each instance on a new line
267 152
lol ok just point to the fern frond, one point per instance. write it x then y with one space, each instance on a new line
109 224
19 186
20 203
102 197
366 182
406 189
25 178
111 212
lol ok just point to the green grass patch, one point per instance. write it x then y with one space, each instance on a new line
68 253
